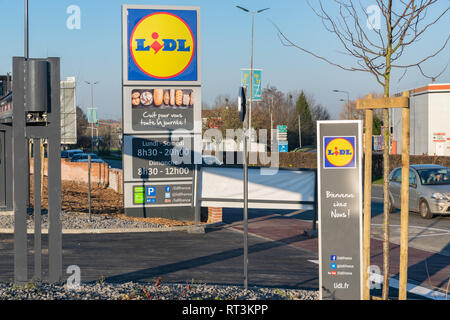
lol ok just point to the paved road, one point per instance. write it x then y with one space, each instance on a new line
430 235
215 257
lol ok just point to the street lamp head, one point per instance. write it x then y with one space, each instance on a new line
262 10
246 10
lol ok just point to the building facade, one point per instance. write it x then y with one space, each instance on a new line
429 122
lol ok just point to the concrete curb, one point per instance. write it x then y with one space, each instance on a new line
121 230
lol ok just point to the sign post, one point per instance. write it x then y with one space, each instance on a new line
339 165
161 110
242 108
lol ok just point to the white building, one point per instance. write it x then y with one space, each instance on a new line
429 124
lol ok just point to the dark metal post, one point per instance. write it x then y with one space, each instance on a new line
245 212
37 210
26 46
53 133
20 170
197 196
89 185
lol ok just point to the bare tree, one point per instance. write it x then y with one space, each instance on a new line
378 51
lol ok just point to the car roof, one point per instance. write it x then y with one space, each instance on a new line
427 166
424 166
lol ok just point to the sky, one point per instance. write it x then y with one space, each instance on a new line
93 52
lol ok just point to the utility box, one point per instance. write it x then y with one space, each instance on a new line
36 86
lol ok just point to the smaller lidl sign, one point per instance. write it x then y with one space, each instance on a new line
160 44
339 152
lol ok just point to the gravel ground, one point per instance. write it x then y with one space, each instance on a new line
81 221
149 291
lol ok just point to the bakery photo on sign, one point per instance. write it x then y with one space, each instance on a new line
162 98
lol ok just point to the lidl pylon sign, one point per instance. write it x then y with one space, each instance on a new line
161 107
161 45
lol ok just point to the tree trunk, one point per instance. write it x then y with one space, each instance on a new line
386 213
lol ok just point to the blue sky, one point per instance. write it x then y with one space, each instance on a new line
93 53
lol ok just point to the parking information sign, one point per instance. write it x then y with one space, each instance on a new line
340 209
161 87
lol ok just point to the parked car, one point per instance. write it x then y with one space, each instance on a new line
211 160
83 157
70 153
429 190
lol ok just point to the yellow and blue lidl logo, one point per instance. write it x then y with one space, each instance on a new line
162 45
339 152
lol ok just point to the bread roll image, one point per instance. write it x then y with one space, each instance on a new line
179 97
158 97
136 94
172 97
146 98
166 97
186 99
136 102
191 100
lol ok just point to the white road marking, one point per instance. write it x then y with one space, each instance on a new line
411 288
431 235
416 227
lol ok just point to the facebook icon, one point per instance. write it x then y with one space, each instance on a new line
333 258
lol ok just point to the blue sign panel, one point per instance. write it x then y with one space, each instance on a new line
283 146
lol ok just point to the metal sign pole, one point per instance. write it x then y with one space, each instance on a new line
26 46
245 212
243 115
89 185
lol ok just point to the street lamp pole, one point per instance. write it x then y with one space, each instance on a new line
26 46
348 101
92 112
245 153
251 65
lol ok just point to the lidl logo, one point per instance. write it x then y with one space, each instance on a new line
339 152
162 45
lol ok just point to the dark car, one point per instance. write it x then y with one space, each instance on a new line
83 157
70 153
